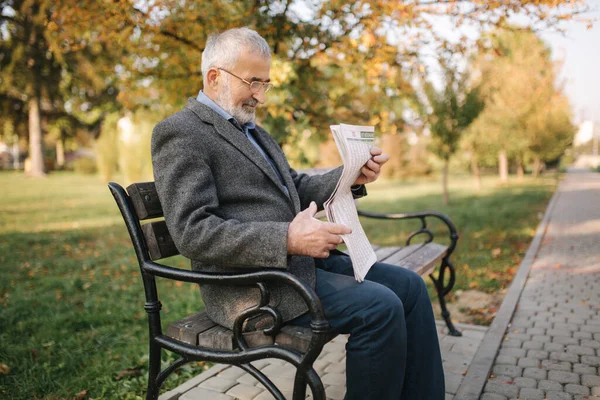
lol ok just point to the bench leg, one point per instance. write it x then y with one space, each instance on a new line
442 291
153 370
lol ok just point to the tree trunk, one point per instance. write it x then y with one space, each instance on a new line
445 181
520 169
36 149
503 166
60 151
476 172
537 167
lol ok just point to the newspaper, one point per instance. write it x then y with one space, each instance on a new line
354 144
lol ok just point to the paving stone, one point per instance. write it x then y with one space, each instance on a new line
590 328
452 381
585 397
535 373
541 338
260 364
584 369
508 370
531 345
247 379
583 335
244 392
518 336
536 331
591 360
335 392
537 354
532 394
512 343
513 352
528 362
596 391
554 347
573 358
556 365
506 360
550 385
551 395
581 350
563 377
493 396
467 348
577 389
204 393
590 380
231 373
565 340
339 368
505 389
525 382
334 379
595 344
218 384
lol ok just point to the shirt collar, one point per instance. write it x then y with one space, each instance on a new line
207 101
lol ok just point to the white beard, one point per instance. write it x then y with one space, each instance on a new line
242 114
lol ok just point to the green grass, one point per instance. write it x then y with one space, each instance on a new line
71 300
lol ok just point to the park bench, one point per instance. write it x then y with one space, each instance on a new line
197 338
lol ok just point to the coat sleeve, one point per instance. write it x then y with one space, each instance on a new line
187 191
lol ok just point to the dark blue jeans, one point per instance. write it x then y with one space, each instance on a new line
393 350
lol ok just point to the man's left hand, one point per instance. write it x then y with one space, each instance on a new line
370 171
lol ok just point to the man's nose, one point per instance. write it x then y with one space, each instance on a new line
260 96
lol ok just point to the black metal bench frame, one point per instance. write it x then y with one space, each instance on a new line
244 354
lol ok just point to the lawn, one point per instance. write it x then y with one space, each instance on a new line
72 323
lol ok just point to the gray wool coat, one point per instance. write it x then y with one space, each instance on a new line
225 207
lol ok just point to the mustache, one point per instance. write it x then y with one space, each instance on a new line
251 102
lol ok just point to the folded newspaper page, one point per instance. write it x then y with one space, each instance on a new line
354 144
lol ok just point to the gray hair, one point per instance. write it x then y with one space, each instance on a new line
223 49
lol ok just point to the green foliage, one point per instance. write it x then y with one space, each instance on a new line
85 165
525 114
107 150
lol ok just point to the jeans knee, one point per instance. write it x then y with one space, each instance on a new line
386 308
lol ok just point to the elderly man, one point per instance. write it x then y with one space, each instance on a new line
232 203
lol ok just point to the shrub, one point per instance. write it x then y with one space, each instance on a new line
85 165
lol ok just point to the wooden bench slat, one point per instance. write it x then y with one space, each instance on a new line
145 200
187 329
384 252
199 330
424 260
159 241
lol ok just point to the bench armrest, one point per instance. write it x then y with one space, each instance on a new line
423 230
318 325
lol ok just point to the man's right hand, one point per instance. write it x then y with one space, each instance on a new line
308 236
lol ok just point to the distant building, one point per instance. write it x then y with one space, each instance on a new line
586 132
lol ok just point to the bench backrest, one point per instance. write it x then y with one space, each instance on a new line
146 205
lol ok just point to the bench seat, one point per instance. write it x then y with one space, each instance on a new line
197 329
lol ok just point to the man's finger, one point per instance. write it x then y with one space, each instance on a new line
381 158
375 151
338 229
312 209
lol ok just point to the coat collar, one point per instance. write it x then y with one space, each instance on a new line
239 140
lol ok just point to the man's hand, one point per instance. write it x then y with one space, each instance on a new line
308 236
370 171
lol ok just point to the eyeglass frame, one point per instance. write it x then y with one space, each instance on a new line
267 86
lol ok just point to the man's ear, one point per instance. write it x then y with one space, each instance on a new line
212 78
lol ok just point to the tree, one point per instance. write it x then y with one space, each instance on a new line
448 114
517 77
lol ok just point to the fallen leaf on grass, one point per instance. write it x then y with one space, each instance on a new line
496 252
4 369
81 395
129 372
559 265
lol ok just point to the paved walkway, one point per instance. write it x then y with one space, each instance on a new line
549 350
552 347
223 382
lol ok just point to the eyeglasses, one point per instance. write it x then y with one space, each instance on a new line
255 86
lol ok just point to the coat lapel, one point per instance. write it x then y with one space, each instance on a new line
239 140
278 157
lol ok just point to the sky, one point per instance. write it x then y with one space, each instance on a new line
579 49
